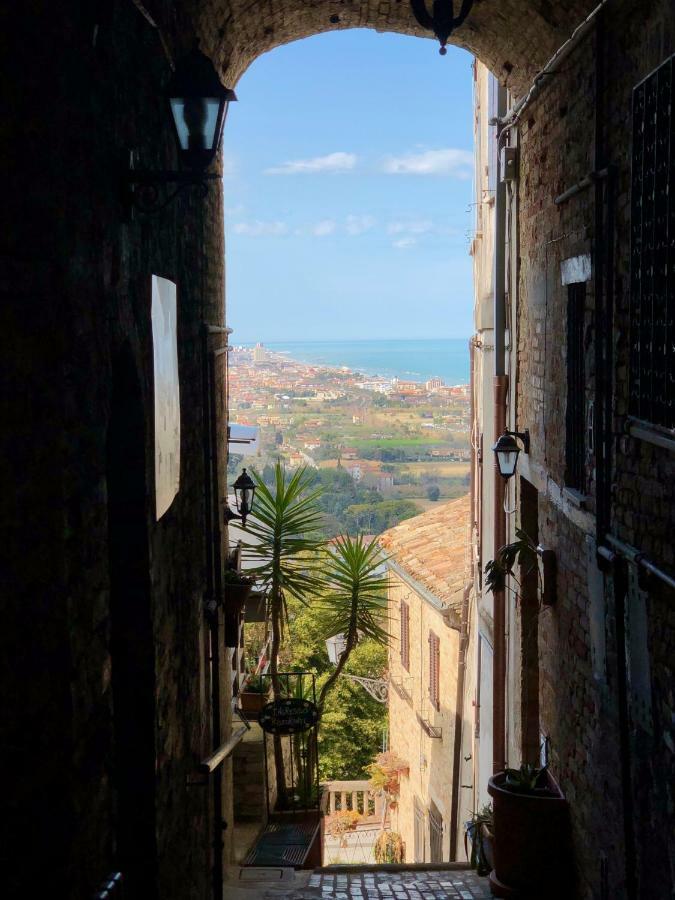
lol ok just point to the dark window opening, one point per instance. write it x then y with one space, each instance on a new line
575 443
652 292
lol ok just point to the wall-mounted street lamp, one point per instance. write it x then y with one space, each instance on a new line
442 21
336 646
506 451
244 494
198 103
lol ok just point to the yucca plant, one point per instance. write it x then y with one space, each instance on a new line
286 548
355 602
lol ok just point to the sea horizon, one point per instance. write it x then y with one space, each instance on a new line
408 359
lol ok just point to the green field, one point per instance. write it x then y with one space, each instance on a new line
393 443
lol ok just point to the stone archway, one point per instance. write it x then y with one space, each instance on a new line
514 38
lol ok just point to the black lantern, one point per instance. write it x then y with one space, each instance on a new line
506 451
199 104
244 492
442 20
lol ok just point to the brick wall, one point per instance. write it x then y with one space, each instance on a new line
74 291
579 697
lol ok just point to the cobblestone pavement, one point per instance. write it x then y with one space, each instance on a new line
415 885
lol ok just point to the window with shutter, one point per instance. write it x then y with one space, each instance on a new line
434 669
405 635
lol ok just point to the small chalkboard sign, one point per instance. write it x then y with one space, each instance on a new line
290 716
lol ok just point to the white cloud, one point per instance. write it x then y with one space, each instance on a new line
321 229
356 225
404 243
331 163
411 226
449 162
261 229
235 210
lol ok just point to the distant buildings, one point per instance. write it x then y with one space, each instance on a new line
259 354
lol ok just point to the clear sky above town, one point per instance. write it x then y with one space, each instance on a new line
348 190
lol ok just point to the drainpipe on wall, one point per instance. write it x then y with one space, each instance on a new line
500 391
459 721
463 640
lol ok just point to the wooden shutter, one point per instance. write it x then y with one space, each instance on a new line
434 669
405 635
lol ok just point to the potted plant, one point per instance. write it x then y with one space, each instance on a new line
532 853
341 823
385 774
252 698
389 848
479 830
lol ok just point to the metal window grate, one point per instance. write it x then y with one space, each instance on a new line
434 669
405 635
652 300
575 444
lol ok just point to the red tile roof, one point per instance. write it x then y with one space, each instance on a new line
432 548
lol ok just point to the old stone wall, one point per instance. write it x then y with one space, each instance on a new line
86 87
430 776
579 648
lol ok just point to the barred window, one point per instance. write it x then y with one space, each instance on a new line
405 635
434 669
575 449
652 293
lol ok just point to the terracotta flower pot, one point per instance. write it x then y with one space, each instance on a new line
251 703
532 851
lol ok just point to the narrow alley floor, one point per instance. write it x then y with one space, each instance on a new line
359 884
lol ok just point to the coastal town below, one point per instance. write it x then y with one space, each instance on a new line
383 448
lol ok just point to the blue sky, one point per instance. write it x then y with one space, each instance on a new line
348 174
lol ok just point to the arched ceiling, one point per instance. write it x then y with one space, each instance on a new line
514 38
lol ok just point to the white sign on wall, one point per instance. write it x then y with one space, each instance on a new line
167 394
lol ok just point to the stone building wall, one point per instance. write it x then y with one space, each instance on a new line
74 298
579 690
430 777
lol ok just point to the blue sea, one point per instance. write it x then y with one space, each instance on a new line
410 360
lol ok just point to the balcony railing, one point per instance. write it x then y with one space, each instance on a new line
357 796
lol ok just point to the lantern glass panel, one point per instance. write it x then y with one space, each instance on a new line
508 460
196 121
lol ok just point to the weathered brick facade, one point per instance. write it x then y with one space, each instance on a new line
82 85
574 128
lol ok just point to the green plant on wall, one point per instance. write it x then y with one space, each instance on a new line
522 552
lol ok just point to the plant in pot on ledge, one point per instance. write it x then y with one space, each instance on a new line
532 852
236 588
253 697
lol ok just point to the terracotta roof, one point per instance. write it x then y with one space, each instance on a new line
431 548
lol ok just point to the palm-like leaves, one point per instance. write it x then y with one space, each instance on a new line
284 529
356 601
357 597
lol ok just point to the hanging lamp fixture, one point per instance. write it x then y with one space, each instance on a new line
442 21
